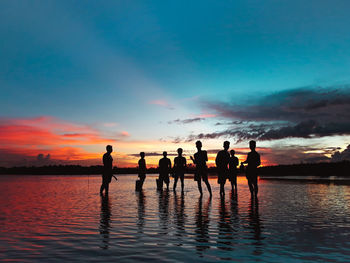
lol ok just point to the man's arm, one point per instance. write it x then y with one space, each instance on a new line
259 161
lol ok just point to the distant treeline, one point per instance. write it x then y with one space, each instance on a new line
314 169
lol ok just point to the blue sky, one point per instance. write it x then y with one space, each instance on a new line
96 63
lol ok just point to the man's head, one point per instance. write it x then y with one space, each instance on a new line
232 152
165 154
199 145
142 155
109 148
179 151
226 145
252 145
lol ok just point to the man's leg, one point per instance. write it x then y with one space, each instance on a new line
222 188
175 182
256 186
182 182
199 187
208 185
107 188
250 184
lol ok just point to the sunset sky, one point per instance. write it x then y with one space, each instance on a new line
158 75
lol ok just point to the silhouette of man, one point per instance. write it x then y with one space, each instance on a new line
142 168
253 161
200 158
107 169
233 163
179 169
164 169
222 160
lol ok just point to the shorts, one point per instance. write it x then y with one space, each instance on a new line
164 177
201 174
232 176
222 176
251 173
142 177
179 175
107 178
253 180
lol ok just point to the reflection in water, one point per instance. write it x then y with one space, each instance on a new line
234 211
105 218
224 226
163 206
141 201
202 225
255 225
179 214
44 218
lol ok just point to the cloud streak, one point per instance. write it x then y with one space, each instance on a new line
297 113
162 103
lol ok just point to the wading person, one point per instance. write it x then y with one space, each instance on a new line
200 160
221 161
142 170
179 169
232 172
107 169
253 161
164 170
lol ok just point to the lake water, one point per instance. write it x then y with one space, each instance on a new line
63 218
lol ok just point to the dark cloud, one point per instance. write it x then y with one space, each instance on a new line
321 104
341 156
186 121
294 154
298 113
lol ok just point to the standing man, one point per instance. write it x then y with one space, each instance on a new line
164 169
222 160
142 169
233 163
200 160
107 169
179 169
253 161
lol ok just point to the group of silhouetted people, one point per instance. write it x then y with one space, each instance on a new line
226 163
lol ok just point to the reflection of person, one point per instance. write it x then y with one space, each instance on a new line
105 218
202 221
222 160
200 160
179 169
179 216
255 223
164 169
107 169
142 169
233 163
253 161
141 200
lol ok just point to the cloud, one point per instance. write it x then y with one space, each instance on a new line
186 121
341 156
46 139
162 103
123 134
297 113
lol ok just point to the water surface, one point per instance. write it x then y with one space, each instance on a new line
63 218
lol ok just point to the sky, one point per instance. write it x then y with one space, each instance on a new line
154 76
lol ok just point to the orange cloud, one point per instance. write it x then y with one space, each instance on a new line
27 138
162 103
